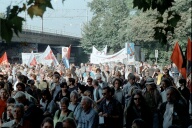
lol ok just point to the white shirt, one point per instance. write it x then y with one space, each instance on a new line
164 96
168 115
12 124
15 88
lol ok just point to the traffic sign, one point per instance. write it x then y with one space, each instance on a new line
156 53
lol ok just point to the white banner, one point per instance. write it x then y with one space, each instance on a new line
97 52
48 58
26 57
117 57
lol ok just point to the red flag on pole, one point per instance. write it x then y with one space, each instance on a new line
189 64
69 52
189 47
32 60
3 59
177 58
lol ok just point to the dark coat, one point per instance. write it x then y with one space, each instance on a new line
114 108
180 114
133 113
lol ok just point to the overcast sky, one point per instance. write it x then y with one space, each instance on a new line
67 18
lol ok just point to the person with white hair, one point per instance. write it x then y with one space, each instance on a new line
89 117
74 105
102 84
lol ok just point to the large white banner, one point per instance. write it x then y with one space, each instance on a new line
117 57
26 57
97 52
45 58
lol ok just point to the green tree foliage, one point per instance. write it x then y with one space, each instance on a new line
140 27
162 6
12 23
104 28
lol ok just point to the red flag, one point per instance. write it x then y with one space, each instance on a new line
177 58
33 62
49 56
3 59
69 52
189 47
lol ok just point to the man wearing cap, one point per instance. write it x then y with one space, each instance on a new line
153 99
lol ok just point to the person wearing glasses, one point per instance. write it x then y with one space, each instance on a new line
89 85
111 110
138 108
102 84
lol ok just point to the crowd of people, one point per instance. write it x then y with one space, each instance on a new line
94 96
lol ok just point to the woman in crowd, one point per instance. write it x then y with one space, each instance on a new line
69 123
18 115
63 112
72 86
74 105
63 93
165 83
47 123
138 123
90 95
47 104
118 95
81 90
8 115
184 91
138 108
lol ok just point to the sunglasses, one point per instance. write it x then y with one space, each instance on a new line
104 93
88 81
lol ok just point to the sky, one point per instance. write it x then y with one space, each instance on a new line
66 18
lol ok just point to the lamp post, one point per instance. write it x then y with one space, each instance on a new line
42 24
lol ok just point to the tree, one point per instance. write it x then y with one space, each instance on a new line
12 23
164 7
104 27
141 28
